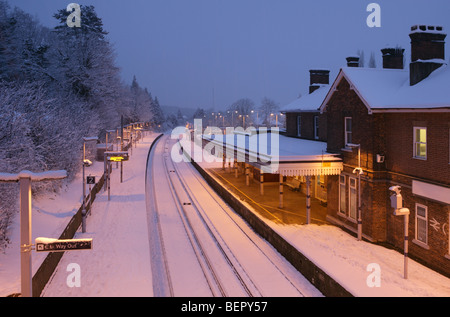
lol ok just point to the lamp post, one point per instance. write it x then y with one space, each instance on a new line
397 204
25 178
276 119
358 171
86 163
243 120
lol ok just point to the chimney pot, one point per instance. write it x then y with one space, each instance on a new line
427 48
352 61
393 58
318 77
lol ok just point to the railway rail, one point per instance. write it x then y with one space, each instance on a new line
199 245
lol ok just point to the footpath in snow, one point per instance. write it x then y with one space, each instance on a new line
119 263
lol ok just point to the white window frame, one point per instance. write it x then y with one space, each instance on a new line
350 205
415 143
421 218
316 127
342 187
299 125
347 132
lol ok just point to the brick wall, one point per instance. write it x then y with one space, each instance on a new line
391 135
399 145
307 125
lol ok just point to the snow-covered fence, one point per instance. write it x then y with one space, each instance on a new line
48 266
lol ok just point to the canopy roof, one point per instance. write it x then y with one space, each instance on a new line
275 153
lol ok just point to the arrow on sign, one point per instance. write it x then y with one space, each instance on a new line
54 245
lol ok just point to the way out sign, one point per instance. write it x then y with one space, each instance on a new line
54 245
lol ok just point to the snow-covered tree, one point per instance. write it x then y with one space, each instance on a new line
243 106
57 86
362 61
199 114
86 64
266 109
158 119
372 61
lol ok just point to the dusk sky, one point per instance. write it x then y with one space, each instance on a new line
205 53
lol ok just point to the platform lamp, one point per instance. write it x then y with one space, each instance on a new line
86 163
399 210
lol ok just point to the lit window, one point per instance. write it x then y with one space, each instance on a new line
348 130
420 143
421 223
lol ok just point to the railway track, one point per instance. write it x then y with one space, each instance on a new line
196 238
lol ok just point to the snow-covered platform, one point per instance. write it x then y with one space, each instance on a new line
362 268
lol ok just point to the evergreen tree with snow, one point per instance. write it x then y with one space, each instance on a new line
85 64
372 61
158 119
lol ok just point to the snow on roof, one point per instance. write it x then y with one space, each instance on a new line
376 86
49 175
310 102
390 88
286 148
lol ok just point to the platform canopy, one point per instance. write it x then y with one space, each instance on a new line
277 154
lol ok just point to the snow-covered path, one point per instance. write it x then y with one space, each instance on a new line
119 264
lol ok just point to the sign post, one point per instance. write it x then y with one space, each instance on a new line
85 164
25 236
121 157
25 178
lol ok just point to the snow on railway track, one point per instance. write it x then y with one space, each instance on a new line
200 246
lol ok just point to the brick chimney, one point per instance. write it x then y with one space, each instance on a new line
318 77
427 51
393 58
352 61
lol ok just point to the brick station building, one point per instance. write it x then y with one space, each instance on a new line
400 121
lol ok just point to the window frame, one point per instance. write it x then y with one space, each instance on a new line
316 127
425 219
346 132
415 143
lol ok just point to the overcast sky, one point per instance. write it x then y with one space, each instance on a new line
205 53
